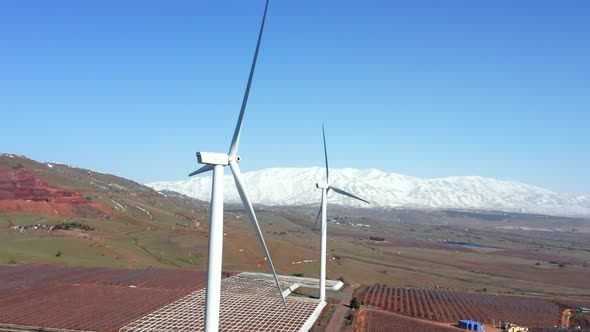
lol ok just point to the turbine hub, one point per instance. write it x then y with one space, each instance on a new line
322 185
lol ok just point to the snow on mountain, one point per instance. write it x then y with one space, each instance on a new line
296 186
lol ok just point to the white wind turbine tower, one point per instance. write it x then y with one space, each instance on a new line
217 162
326 187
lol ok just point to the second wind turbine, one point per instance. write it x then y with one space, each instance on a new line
326 187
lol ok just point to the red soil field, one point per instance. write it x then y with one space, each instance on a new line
555 329
79 298
572 304
380 321
21 191
450 306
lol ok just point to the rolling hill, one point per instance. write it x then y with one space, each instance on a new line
131 225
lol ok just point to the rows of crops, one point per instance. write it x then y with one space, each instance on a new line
450 306
88 298
380 321
571 303
83 307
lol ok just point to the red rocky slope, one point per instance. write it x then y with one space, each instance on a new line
21 191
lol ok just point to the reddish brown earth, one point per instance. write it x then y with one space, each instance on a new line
578 319
451 306
572 304
21 191
91 299
556 329
379 321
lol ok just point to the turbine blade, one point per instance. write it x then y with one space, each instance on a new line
326 155
233 150
248 205
342 192
319 214
203 169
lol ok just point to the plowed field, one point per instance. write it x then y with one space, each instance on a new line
450 306
380 321
79 298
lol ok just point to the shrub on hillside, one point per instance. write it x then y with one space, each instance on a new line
73 225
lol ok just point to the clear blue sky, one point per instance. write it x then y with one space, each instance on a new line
423 88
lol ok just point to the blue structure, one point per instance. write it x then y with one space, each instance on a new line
471 325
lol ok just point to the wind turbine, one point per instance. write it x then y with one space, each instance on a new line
216 162
326 187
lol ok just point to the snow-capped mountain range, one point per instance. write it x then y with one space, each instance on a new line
296 186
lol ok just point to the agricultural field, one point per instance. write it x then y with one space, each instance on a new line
556 329
379 321
82 297
47 297
451 306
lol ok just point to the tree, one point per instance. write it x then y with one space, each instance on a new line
354 303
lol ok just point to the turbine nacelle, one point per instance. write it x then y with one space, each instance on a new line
214 158
322 186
